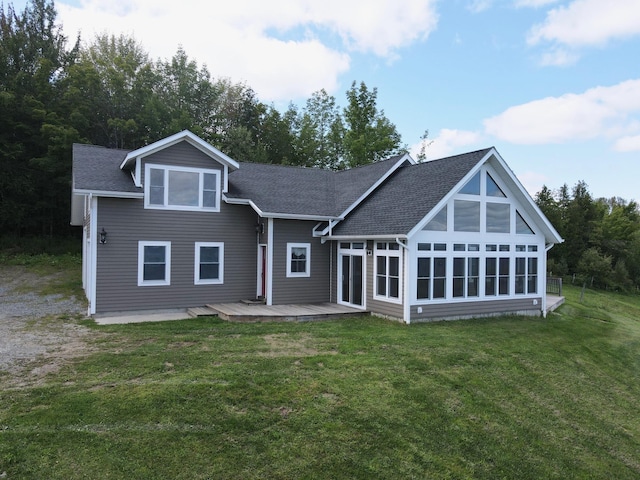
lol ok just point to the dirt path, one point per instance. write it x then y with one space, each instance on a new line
38 333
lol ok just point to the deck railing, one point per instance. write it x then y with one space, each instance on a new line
554 285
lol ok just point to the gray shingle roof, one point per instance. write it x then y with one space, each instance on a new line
98 169
394 208
304 191
408 196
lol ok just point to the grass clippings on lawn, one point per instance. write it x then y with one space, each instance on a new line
363 398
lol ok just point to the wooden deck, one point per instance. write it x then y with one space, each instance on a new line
251 312
553 302
242 312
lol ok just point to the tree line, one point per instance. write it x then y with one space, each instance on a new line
55 92
109 92
601 237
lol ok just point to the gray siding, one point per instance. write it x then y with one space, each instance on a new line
127 222
313 289
476 309
181 154
393 310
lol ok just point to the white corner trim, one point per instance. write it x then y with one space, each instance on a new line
269 279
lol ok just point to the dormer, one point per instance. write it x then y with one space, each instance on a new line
180 172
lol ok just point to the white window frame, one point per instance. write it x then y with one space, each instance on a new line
167 267
196 272
307 272
169 168
387 254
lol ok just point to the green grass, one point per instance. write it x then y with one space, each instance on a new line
356 398
63 272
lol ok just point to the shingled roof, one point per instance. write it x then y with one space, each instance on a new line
393 208
98 169
304 191
408 196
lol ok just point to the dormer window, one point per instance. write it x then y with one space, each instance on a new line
181 188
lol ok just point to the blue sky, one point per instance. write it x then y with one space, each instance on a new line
554 85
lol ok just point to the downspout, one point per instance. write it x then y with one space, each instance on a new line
331 264
406 309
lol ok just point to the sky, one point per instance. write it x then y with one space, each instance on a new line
554 85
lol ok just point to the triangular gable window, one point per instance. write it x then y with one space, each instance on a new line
493 190
522 227
472 187
439 222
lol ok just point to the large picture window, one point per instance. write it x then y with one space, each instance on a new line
209 263
466 216
181 188
154 263
298 259
387 271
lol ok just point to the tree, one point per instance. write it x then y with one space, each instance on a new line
115 77
35 137
321 132
580 220
369 136
594 267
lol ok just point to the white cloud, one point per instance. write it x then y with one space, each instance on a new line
599 112
558 57
627 144
534 3
533 181
588 23
478 6
447 142
280 48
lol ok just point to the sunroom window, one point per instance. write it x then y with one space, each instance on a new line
388 271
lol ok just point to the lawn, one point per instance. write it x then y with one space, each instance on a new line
363 398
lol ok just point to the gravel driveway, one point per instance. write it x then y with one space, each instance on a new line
37 332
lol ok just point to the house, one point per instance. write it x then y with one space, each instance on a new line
178 224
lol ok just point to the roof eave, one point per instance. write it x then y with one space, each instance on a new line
107 193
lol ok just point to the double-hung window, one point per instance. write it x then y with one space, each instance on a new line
181 188
298 259
154 263
209 263
387 271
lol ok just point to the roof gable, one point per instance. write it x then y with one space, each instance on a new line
185 136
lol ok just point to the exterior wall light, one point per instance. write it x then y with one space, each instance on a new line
103 236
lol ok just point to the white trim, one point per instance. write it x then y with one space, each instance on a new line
307 263
169 168
185 135
269 279
137 176
406 304
280 216
196 264
387 253
104 193
351 252
364 238
262 260
93 255
167 267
